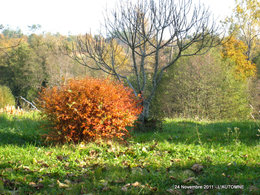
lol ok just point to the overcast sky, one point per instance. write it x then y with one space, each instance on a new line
74 16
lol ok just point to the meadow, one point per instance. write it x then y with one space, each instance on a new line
220 157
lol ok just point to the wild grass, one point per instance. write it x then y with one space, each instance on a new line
183 154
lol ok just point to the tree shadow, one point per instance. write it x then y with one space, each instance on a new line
23 131
190 132
19 131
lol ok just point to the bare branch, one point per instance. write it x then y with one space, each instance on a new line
145 30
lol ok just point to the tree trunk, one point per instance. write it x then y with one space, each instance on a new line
145 113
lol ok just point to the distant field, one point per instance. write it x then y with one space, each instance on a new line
214 156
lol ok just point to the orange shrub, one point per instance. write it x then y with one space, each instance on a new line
89 109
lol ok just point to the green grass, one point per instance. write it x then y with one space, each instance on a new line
150 163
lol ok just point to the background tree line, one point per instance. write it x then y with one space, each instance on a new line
35 62
222 84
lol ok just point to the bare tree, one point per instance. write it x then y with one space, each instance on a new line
146 30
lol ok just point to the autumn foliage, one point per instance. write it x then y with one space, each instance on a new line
235 50
89 109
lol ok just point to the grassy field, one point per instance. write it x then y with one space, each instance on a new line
214 156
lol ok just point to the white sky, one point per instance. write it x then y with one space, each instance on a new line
73 16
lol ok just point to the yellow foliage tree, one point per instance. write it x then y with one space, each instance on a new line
234 50
245 23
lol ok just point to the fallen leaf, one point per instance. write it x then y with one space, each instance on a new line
70 174
82 164
44 165
48 153
173 178
40 180
125 163
208 158
67 181
136 184
175 192
82 146
60 158
190 179
36 186
62 185
8 169
176 160
144 149
151 188
83 190
125 187
51 185
66 165
197 168
32 184
25 167
39 186
93 153
152 147
120 181
170 138
103 182
189 192
105 188
253 189
34 161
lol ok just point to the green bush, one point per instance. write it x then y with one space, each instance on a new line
6 97
203 87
